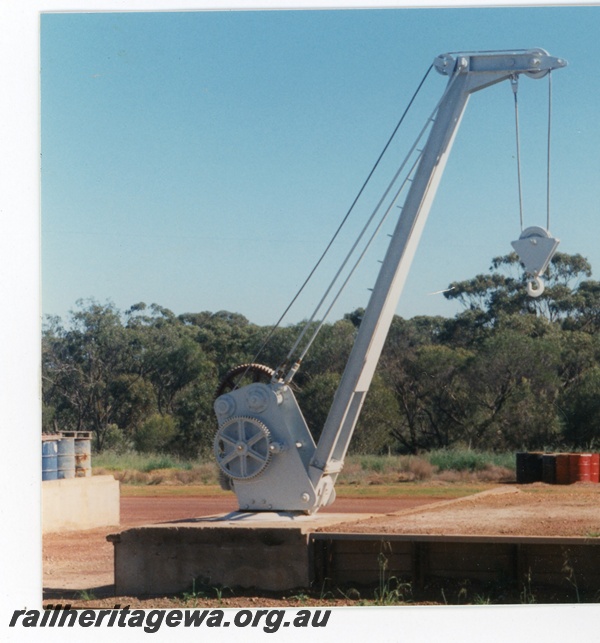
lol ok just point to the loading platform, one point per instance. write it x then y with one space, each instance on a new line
273 552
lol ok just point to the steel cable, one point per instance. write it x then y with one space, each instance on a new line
350 209
514 81
549 137
428 122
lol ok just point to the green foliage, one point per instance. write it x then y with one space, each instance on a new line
513 386
163 461
501 293
115 440
155 434
379 416
507 373
581 406
526 595
80 366
372 463
393 468
315 400
201 590
430 389
469 460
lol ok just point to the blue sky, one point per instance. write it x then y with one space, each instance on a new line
202 160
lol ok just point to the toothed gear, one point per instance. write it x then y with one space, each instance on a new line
242 447
225 482
244 374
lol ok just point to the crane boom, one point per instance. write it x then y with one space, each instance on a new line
263 443
468 74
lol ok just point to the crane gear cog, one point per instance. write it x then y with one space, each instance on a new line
242 447
244 374
225 482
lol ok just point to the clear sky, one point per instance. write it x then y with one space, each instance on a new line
202 160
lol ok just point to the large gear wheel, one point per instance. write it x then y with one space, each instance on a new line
242 447
225 482
242 375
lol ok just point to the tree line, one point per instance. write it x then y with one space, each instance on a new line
508 372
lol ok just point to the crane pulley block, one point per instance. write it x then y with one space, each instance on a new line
535 248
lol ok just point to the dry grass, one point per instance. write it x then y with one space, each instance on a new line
205 473
359 471
389 470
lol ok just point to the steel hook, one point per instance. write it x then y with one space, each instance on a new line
535 287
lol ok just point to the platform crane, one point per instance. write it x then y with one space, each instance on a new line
263 446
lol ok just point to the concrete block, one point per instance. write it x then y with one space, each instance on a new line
265 550
80 503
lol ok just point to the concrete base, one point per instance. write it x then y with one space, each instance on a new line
80 503
266 550
276 552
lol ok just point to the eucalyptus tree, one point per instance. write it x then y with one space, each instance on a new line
503 292
85 368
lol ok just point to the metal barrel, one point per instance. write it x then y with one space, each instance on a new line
83 457
574 467
522 467
584 467
595 468
49 459
549 468
534 466
66 458
529 467
562 468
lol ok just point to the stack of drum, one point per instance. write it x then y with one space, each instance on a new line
558 468
66 455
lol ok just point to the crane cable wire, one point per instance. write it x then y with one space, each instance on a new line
357 262
549 141
350 209
514 81
515 84
295 367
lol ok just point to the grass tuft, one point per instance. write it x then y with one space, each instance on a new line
470 460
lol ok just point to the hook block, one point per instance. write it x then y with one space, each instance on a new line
535 248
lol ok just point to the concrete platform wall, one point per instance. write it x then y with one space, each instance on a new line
280 555
268 550
80 503
549 561
169 559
